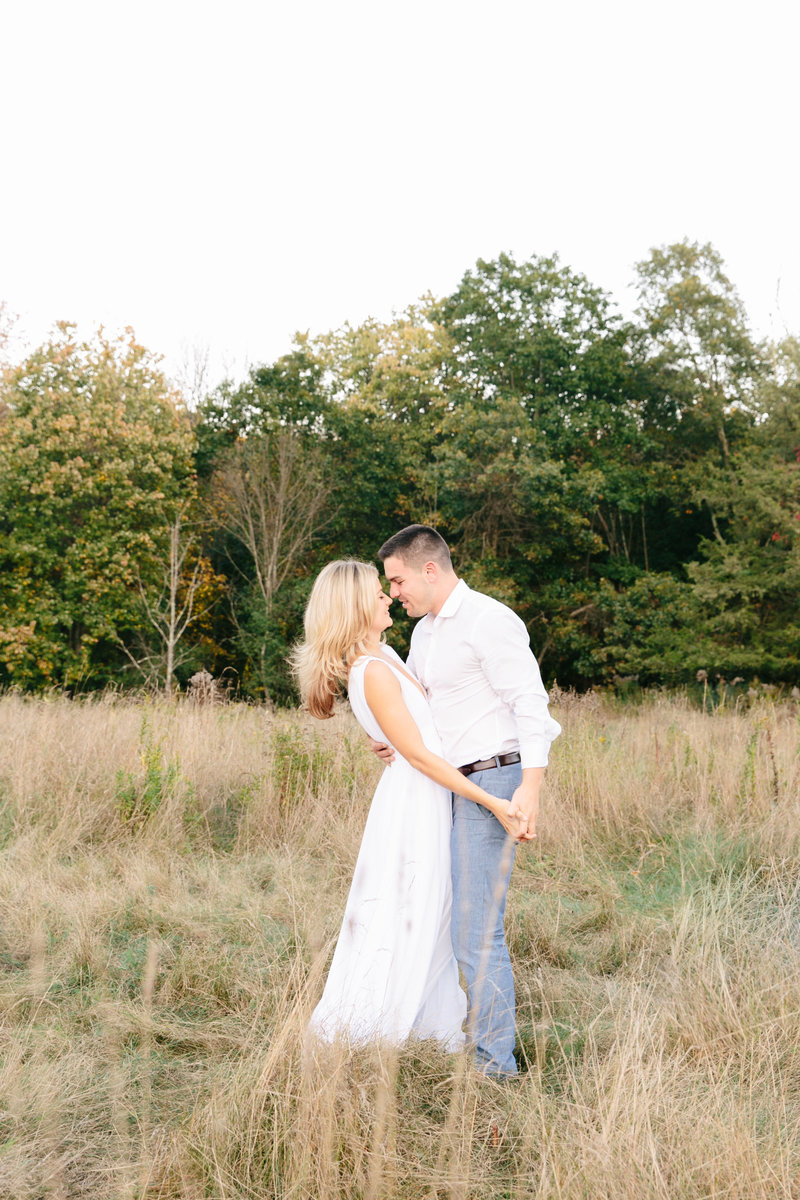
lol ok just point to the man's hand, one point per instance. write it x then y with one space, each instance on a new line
525 802
513 820
382 750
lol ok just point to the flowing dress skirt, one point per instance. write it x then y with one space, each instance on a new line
393 972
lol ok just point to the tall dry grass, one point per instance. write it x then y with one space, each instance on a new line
172 881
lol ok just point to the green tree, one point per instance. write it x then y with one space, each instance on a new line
95 460
548 454
543 379
385 388
747 579
698 335
780 400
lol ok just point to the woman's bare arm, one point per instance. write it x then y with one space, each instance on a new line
385 699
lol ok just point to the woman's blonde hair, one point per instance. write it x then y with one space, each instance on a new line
338 619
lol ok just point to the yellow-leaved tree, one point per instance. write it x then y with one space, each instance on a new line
96 458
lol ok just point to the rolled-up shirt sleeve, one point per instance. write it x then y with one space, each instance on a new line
502 645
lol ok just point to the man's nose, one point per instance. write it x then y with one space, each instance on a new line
393 591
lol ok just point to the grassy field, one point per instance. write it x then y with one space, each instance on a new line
172 881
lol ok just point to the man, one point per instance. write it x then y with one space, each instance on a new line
472 655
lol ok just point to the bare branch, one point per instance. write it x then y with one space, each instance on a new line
274 492
167 614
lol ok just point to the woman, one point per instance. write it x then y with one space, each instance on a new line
393 972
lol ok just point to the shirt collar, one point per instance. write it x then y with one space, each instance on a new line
454 601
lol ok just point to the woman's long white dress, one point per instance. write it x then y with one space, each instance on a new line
393 972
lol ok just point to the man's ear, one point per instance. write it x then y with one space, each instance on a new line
431 571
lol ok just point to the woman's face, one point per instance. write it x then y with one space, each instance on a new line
381 619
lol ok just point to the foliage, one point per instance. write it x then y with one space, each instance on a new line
140 795
630 487
95 454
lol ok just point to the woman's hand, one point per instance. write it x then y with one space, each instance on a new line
510 816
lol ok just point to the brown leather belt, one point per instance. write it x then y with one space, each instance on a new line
486 764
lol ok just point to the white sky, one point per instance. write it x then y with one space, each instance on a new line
226 174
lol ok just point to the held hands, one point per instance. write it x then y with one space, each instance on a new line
511 818
521 831
517 816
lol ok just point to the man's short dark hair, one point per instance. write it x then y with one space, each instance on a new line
415 545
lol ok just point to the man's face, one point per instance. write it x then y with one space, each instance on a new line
413 587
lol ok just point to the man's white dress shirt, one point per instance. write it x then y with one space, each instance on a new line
483 682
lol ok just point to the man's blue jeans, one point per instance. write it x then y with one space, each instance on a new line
482 858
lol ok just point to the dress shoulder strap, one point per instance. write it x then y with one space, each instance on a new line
363 659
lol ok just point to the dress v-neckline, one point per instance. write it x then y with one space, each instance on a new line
390 663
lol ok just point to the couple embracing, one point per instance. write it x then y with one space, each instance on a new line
464 728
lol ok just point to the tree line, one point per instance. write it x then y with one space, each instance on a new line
630 486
